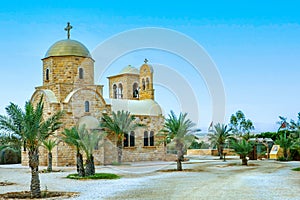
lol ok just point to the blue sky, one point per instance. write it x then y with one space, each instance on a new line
254 44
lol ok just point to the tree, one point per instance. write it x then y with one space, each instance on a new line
88 140
33 129
243 148
219 137
119 124
286 143
240 125
71 137
49 145
180 131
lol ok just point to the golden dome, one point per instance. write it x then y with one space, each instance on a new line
68 47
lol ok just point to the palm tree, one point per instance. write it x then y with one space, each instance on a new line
286 143
33 129
71 137
49 145
88 140
219 137
180 131
119 124
243 148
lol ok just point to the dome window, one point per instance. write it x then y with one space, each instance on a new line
80 73
87 106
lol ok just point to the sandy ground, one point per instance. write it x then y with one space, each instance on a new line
206 179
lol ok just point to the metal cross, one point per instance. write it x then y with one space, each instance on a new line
68 28
146 60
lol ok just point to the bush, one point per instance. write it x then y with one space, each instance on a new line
296 169
9 155
96 176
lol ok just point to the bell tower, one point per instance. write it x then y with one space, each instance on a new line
146 81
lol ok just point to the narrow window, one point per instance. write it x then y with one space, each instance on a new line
147 83
132 139
126 138
146 143
115 93
135 90
143 82
47 74
151 138
80 73
120 91
87 106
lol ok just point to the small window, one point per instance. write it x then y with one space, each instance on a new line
126 138
87 106
132 139
146 138
147 83
143 82
47 74
135 90
120 91
151 138
115 93
80 73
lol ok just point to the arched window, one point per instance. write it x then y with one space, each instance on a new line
147 83
143 82
80 73
87 106
126 139
135 90
114 91
47 74
132 139
120 91
151 139
146 138
129 139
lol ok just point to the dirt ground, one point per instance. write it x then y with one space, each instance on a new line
203 179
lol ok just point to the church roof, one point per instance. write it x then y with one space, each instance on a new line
147 107
68 47
129 70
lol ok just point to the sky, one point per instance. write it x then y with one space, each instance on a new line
255 45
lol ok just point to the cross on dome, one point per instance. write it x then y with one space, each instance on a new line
68 29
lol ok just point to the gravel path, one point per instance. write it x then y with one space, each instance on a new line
212 180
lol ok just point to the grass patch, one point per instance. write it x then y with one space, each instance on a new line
96 176
296 169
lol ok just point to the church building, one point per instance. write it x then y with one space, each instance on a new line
68 85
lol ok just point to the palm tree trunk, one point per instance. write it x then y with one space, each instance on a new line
180 157
49 168
80 168
119 146
90 166
244 161
35 189
221 151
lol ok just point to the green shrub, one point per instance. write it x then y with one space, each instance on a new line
96 176
296 169
9 155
